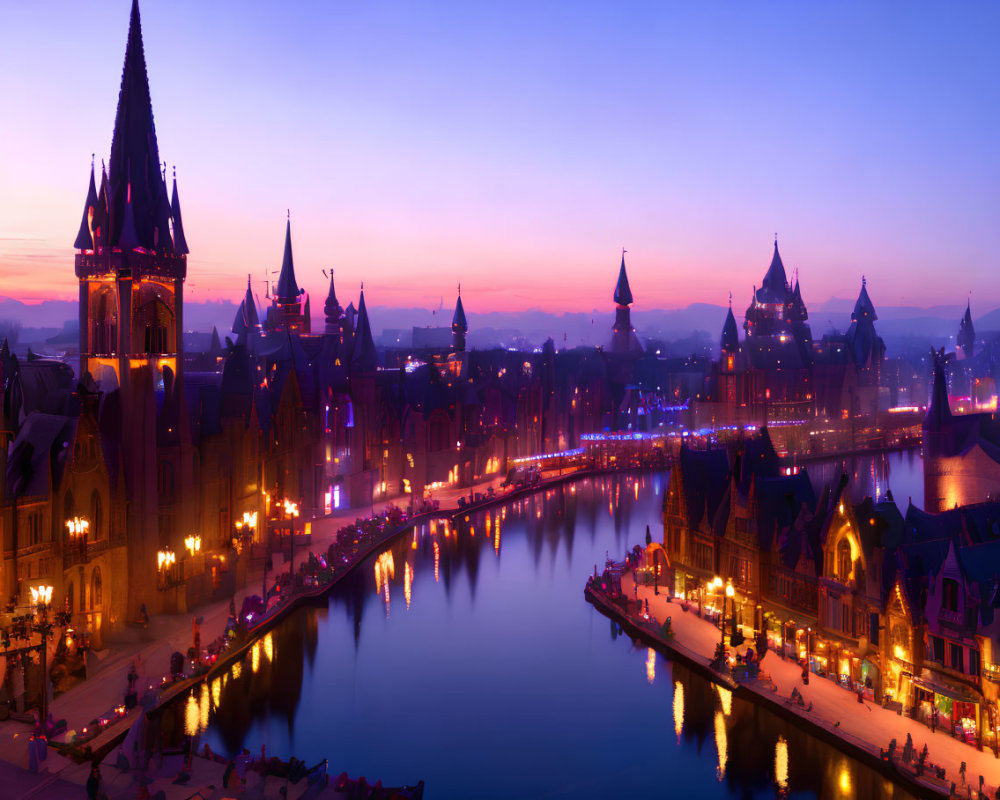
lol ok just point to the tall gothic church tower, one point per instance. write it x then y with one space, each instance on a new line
132 254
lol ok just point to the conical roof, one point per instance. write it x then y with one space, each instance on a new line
84 238
135 156
939 410
331 308
458 321
623 294
180 242
363 359
864 309
250 307
730 341
287 290
775 281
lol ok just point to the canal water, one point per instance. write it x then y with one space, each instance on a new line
467 656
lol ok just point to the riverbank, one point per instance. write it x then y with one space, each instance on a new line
861 730
105 689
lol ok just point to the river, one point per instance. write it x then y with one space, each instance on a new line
469 658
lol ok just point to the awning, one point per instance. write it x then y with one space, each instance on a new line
955 693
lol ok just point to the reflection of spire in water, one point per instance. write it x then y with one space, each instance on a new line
678 709
721 743
781 764
651 665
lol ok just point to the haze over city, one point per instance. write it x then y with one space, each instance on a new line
516 148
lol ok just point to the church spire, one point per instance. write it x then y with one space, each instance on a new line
135 157
363 359
180 243
332 309
623 294
85 237
965 342
459 325
287 291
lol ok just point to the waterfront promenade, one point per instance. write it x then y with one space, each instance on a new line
861 729
151 649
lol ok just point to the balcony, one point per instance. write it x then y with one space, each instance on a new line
950 617
991 672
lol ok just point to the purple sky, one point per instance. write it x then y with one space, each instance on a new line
517 147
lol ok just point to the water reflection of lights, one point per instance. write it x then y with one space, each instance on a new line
678 709
407 583
385 568
651 665
255 657
844 780
437 561
269 646
721 742
216 692
496 538
781 764
725 699
191 716
237 670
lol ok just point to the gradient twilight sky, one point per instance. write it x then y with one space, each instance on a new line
518 146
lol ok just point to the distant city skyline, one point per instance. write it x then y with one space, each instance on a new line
516 149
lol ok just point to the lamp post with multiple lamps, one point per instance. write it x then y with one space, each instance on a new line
41 597
78 528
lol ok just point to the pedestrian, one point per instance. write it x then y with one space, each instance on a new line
94 783
961 772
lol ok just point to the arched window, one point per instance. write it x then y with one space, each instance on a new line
96 515
844 561
96 589
104 330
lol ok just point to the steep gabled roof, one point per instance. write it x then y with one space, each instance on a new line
331 308
623 294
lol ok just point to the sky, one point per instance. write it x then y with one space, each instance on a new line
517 147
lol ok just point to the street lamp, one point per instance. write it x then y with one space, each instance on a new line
193 544
41 596
290 511
165 559
77 528
722 628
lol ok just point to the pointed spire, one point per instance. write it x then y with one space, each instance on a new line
332 309
939 410
965 342
102 218
85 238
864 309
775 283
458 322
128 238
363 359
251 320
623 294
180 243
287 290
215 348
730 340
135 158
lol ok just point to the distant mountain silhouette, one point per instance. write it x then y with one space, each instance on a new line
533 326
